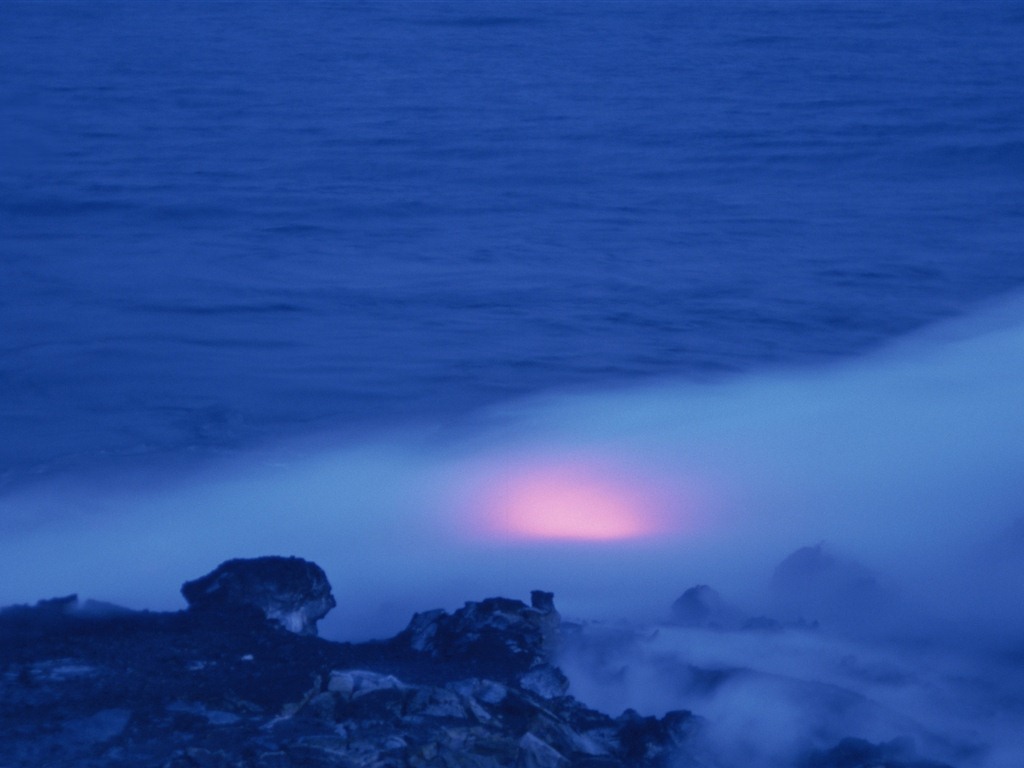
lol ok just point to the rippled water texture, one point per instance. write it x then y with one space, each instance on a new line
221 223
609 299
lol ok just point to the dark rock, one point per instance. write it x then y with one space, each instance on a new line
57 608
223 687
542 601
288 590
534 753
545 680
499 632
650 740
220 685
702 606
814 583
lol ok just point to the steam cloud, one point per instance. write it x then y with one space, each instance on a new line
899 475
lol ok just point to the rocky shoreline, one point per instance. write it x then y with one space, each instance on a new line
241 679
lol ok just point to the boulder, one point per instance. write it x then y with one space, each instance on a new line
220 686
652 740
702 606
499 630
288 590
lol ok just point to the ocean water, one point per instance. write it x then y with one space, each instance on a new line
227 224
610 299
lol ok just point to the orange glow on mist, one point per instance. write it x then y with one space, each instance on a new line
569 503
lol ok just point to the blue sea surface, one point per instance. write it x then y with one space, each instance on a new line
609 299
226 223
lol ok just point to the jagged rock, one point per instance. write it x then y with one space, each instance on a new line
288 590
543 601
696 606
353 683
550 620
439 703
702 606
497 630
650 739
546 681
487 691
218 688
422 629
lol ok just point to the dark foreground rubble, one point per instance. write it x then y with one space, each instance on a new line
241 679
86 685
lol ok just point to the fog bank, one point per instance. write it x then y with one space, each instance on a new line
905 463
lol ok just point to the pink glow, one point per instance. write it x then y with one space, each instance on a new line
568 502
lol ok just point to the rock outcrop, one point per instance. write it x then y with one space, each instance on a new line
505 636
289 590
702 606
816 584
222 685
